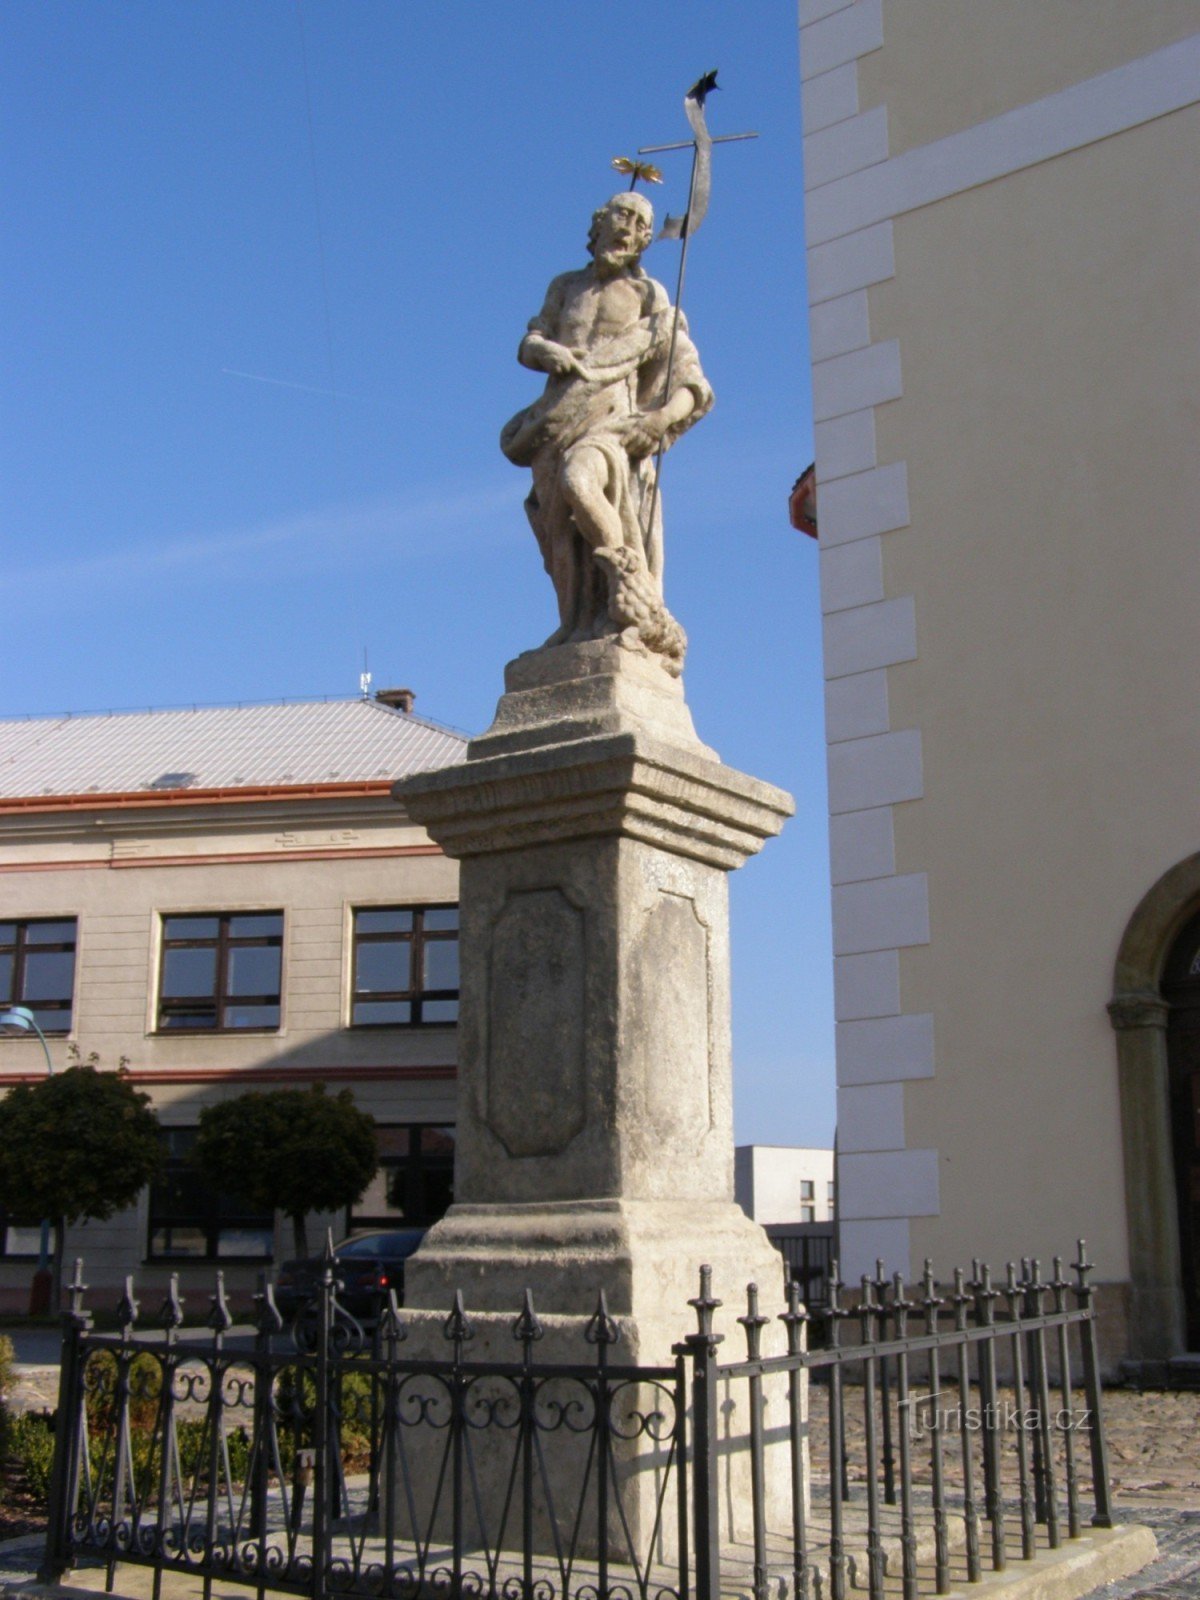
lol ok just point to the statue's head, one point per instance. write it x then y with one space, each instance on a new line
621 229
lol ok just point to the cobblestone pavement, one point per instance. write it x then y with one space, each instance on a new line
1154 1456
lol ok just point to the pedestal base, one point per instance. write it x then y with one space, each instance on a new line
645 1256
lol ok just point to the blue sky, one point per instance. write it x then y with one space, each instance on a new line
264 271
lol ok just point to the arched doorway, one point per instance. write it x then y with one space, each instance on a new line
1140 1013
1181 991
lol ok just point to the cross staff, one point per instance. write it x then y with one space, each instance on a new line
684 227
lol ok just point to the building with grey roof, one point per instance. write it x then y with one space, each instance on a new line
228 898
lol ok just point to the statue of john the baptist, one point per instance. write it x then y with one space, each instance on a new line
604 339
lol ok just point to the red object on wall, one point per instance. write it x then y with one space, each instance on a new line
802 503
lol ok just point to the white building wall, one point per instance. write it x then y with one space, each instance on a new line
778 1183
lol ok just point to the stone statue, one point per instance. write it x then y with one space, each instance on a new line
604 339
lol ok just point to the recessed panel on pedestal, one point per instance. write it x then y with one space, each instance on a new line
535 1086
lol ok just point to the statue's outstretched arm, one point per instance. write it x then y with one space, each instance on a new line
539 349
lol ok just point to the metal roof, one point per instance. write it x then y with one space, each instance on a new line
219 747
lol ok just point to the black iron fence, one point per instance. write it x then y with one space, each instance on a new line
808 1252
382 1460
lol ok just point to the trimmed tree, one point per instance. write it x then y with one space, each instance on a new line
289 1150
77 1146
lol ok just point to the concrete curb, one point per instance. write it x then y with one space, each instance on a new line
1083 1565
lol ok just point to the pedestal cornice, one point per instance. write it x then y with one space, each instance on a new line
627 785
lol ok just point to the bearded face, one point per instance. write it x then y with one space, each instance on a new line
621 230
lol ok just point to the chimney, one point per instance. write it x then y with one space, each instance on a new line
398 699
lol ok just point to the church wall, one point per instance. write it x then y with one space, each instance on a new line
1004 385
1052 555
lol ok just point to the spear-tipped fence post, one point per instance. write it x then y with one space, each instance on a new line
930 1304
1029 1309
1059 1287
171 1317
901 1306
602 1332
1090 1345
527 1330
322 1473
795 1320
839 1485
867 1310
458 1330
1048 1479
393 1332
882 1285
1015 1295
70 1435
754 1322
961 1300
127 1311
981 1284
702 1348
267 1323
220 1321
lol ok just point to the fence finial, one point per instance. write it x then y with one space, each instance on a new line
267 1317
794 1318
527 1329
391 1324
219 1318
172 1306
127 1308
457 1327
753 1322
77 1288
601 1328
704 1305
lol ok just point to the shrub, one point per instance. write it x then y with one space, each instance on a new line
30 1443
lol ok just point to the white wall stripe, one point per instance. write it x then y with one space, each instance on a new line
841 37
813 10
863 637
830 98
885 1049
851 575
862 847
856 380
845 445
857 707
870 1117
1110 103
861 1243
867 986
867 503
839 325
881 914
852 263
879 771
833 153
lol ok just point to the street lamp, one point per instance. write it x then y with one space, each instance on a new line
14 1022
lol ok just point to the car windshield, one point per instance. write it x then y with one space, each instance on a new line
382 1244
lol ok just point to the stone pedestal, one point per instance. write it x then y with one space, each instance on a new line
595 1136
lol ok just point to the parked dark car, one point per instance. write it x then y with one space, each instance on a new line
366 1266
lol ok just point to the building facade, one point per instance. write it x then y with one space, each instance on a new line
1004 298
229 899
783 1183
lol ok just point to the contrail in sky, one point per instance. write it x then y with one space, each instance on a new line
282 383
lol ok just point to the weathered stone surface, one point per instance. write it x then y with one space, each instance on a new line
595 1129
623 382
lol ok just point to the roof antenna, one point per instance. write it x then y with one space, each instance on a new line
364 678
